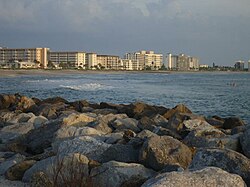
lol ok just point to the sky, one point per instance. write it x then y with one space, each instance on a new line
216 31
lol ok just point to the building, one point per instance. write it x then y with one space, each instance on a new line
239 65
204 66
68 59
182 62
91 60
10 56
249 65
127 64
108 62
146 59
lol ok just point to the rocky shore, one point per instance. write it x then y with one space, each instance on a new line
53 142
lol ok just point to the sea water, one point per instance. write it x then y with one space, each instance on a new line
222 94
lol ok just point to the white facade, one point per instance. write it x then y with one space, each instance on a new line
75 59
249 65
127 64
91 60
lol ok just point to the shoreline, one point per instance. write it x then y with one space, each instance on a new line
20 72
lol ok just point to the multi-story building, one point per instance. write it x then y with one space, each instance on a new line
108 61
37 56
146 59
127 64
182 62
239 65
249 65
91 60
71 59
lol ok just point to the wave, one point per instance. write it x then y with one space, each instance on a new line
87 87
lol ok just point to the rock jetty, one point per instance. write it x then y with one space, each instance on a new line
54 142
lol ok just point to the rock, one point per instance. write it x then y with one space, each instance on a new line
78 120
47 110
172 167
238 129
117 174
216 121
206 177
179 108
71 132
232 122
4 166
21 118
12 132
121 153
196 124
128 135
159 151
127 123
5 155
160 120
37 140
24 104
145 134
38 121
113 138
82 105
109 105
40 179
69 169
212 139
16 171
245 142
7 183
166 132
54 100
6 101
226 159
105 111
86 145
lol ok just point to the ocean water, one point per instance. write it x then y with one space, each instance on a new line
223 94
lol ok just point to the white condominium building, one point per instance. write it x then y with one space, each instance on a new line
182 62
147 59
91 60
73 59
127 64
28 55
108 61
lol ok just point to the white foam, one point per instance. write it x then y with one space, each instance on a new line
87 87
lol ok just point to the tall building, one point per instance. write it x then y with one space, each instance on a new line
108 61
126 64
91 60
239 65
182 62
72 59
28 55
249 65
146 59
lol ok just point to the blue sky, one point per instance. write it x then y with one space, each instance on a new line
214 30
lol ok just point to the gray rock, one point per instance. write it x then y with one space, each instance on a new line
7 183
68 168
232 122
70 132
245 142
206 177
86 145
145 134
114 137
78 119
120 153
226 159
21 118
38 121
177 109
159 151
118 174
4 166
127 123
12 132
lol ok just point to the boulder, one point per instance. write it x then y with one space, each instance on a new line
179 108
128 135
121 153
127 123
146 123
210 176
159 151
54 100
12 132
47 110
21 118
7 183
113 138
6 101
17 171
211 139
5 155
4 166
37 140
232 122
226 159
216 121
145 134
245 142
66 133
86 145
105 111
24 103
38 121
160 120
69 169
78 120
118 174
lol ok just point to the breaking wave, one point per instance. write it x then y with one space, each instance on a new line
87 87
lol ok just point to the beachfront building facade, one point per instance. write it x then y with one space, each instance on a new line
91 60
109 62
146 59
249 65
239 65
68 59
24 57
128 64
182 62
